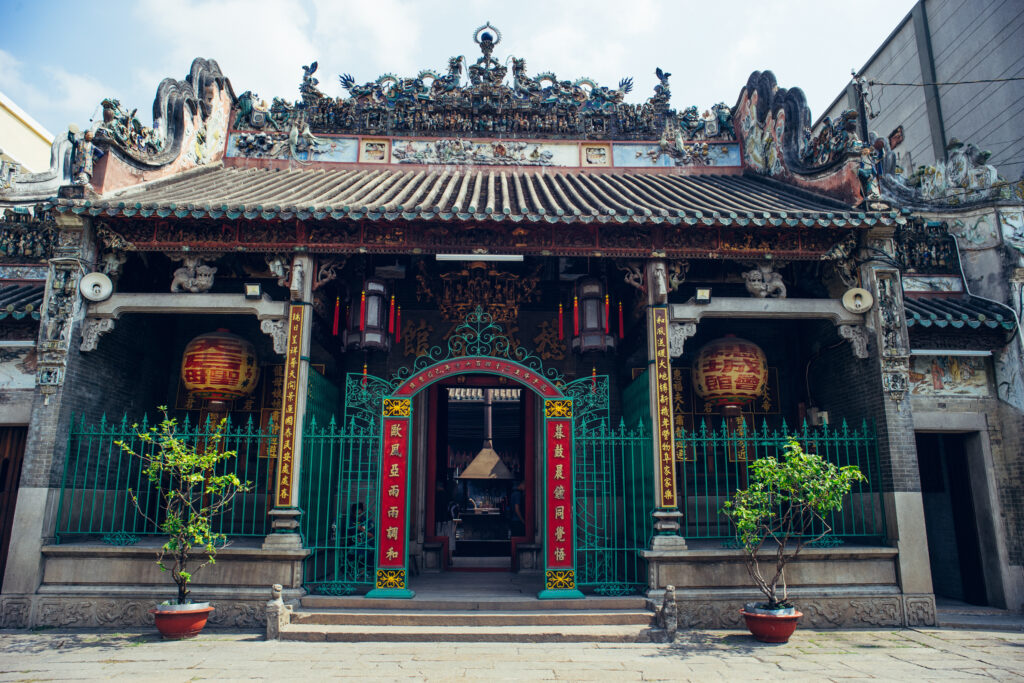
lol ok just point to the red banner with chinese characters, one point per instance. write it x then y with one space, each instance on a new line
289 408
559 494
459 366
393 478
664 440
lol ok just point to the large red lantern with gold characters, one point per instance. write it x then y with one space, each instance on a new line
219 366
730 372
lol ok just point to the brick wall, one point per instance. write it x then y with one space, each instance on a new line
851 388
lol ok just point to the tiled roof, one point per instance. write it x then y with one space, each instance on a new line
480 194
20 300
968 312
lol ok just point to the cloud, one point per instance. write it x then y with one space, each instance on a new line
262 44
67 97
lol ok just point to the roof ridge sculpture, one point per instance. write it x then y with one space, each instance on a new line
441 104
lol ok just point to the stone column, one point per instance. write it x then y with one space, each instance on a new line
39 491
285 515
667 515
901 485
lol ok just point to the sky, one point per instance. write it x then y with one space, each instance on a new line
60 58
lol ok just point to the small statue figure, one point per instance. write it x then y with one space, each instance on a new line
193 276
764 282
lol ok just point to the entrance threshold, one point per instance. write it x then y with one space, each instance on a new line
481 564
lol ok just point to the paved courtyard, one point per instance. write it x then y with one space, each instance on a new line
907 655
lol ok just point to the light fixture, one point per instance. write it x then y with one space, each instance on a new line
590 317
703 295
253 290
368 318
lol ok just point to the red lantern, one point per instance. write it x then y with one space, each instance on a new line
219 366
730 372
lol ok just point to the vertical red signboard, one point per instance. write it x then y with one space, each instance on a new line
392 514
560 528
665 436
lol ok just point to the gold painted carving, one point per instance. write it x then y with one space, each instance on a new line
458 293
397 407
560 579
390 578
557 408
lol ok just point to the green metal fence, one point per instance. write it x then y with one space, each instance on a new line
339 498
712 465
614 499
95 495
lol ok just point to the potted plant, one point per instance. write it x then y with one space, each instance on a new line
784 506
190 496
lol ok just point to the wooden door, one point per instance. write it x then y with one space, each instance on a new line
12 449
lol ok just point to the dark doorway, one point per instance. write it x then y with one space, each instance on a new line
954 550
480 473
12 449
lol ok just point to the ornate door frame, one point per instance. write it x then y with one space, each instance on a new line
479 346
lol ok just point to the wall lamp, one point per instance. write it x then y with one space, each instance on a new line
253 290
703 295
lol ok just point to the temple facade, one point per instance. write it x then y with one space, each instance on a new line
475 320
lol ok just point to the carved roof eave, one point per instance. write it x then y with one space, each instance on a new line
782 220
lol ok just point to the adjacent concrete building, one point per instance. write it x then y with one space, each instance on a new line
949 43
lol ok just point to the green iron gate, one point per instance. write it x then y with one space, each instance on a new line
614 500
339 482
614 494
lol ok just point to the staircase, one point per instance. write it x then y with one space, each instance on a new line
503 618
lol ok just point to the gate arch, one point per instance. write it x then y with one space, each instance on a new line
477 346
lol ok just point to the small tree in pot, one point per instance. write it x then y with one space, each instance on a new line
785 505
190 497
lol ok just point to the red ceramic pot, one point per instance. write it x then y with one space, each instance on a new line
177 624
771 628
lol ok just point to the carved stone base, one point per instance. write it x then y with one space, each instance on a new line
919 610
826 609
120 611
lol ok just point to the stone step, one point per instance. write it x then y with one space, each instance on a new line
364 617
471 634
980 621
465 604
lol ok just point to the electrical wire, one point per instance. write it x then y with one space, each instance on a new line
980 80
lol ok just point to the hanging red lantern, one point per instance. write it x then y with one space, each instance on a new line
219 366
576 316
337 313
561 325
362 310
622 330
730 372
607 320
391 316
398 325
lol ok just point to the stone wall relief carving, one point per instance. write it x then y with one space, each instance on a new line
764 281
678 333
92 330
73 612
1012 228
277 330
895 345
194 276
59 309
858 337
